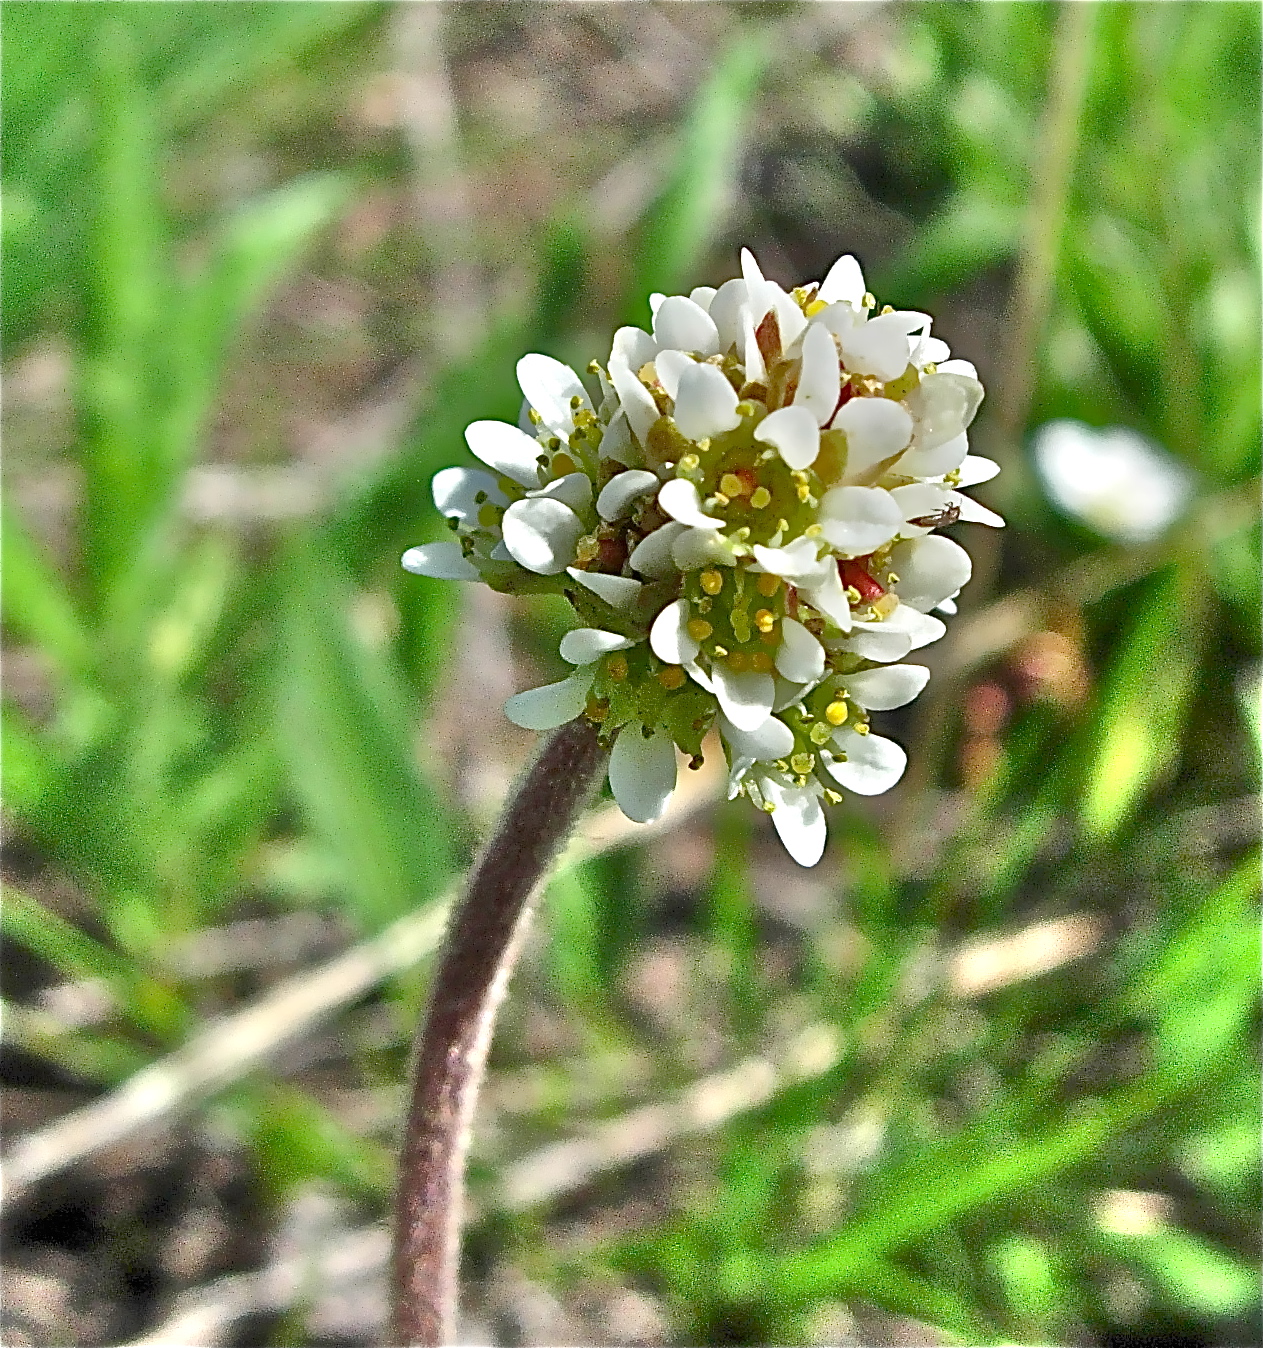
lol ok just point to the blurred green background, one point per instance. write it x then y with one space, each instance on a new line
988 1075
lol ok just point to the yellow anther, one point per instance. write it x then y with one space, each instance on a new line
536 419
892 579
852 595
587 549
835 713
616 668
931 368
768 584
489 515
812 531
760 498
765 620
815 307
690 463
819 734
699 629
597 709
888 308
738 662
802 763
804 491
712 581
862 728
672 677
718 499
832 796
870 300
760 662
563 464
885 604
720 651
732 485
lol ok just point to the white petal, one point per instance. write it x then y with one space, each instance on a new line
918 499
441 561
455 492
752 357
652 555
634 347
943 406
655 301
669 366
886 688
506 449
799 657
772 740
549 387
668 637
922 462
799 821
637 402
876 429
617 591
929 570
820 380
619 493
541 534
976 469
574 490
694 548
948 606
706 403
872 765
642 774
796 561
683 325
550 706
790 319
841 318
745 698
703 295
965 367
680 499
586 644
795 433
750 270
699 676
616 443
857 520
906 629
829 596
972 512
845 281
725 311
879 347
930 351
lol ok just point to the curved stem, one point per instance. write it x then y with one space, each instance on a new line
473 972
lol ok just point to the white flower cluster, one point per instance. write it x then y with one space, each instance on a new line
743 520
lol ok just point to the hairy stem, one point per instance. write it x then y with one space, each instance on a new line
470 981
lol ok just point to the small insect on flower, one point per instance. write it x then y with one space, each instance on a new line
740 510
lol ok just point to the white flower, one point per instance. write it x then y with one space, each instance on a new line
1114 480
743 516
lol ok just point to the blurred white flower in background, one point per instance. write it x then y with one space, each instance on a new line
1114 480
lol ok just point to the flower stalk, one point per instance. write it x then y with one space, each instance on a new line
473 972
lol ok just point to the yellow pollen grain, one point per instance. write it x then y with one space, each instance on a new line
835 713
761 662
712 581
760 498
731 485
616 668
768 584
699 629
672 677
738 662
765 620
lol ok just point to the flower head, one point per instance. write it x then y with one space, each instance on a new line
741 512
